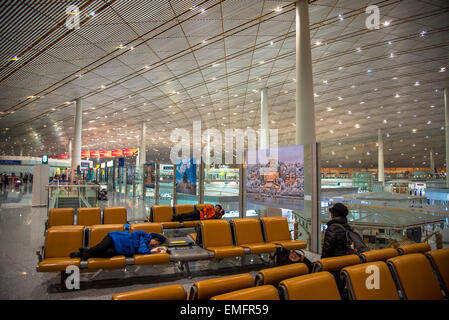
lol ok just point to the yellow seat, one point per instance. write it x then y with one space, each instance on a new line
59 243
172 292
163 214
114 215
190 224
60 217
414 248
183 208
216 237
204 289
277 274
267 292
415 278
313 286
248 234
96 235
440 262
379 255
147 227
332 264
357 277
276 231
153 258
89 216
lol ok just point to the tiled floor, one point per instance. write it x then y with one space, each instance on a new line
22 234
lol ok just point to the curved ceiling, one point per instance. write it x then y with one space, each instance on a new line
170 63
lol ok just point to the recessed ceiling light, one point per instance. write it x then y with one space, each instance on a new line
414 130
389 42
357 125
278 9
416 83
330 109
340 16
442 69
423 33
387 23
397 95
359 49
349 112
395 78
271 43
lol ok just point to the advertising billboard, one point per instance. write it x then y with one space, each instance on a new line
280 181
186 176
149 175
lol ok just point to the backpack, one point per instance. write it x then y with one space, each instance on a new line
354 243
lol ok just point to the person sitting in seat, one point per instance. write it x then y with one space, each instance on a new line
123 243
206 213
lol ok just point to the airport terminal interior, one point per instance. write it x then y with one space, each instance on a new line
122 115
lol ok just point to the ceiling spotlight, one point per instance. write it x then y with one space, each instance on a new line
397 95
203 10
392 55
359 49
340 98
357 125
423 33
340 16
443 69
414 131
14 59
387 23
271 43
416 83
278 9
389 42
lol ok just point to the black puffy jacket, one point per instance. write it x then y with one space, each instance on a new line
334 243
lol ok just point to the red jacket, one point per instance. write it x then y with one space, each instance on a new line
209 213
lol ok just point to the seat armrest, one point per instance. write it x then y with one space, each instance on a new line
40 254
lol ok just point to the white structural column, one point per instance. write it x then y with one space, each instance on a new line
264 138
432 163
142 149
76 148
380 166
70 148
446 130
305 105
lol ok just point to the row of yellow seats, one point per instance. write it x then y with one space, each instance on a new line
164 214
62 240
86 216
245 236
408 276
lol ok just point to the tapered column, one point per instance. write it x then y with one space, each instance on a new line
432 163
446 130
76 151
380 165
264 144
142 150
70 148
305 105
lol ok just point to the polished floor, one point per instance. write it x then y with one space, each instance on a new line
22 234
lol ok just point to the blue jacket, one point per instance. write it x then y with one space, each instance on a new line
137 242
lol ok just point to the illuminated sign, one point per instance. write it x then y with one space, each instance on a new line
44 159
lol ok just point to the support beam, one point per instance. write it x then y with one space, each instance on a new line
305 105
76 152
380 164
142 149
446 130
264 125
432 163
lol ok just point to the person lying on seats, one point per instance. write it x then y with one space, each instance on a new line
122 243
206 213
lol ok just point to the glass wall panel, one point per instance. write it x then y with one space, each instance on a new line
166 184
221 186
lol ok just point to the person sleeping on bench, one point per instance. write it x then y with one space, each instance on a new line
206 213
122 243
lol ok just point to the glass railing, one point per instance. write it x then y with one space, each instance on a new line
72 196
